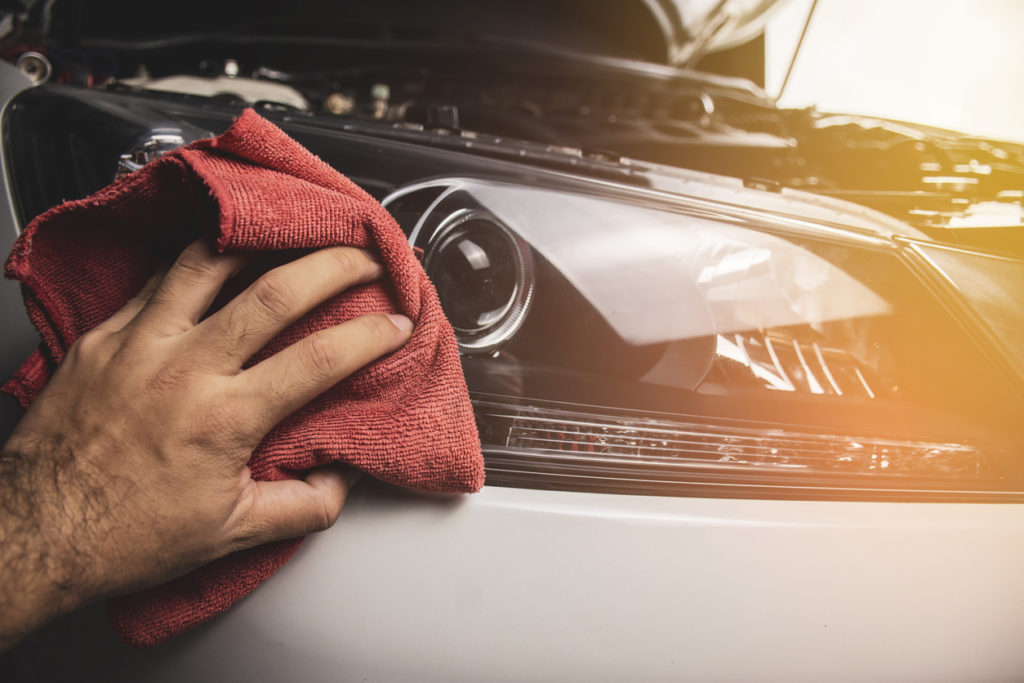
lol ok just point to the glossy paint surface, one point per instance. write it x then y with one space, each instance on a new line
513 584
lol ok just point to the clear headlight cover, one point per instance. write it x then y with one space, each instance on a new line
620 345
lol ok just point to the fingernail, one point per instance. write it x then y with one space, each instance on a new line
372 255
401 322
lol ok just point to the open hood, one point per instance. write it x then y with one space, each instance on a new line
693 28
672 32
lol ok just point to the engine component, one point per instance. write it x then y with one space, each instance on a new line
148 149
248 90
35 65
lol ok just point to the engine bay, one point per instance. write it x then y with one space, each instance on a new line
958 189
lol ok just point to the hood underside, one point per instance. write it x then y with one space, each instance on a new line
673 32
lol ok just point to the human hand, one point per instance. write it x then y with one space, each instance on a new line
130 467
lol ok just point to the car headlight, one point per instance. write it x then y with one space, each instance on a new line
619 339
673 349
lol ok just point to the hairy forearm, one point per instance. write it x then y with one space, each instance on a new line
41 574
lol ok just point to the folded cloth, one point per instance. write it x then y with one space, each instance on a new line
405 419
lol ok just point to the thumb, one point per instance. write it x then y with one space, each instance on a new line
295 507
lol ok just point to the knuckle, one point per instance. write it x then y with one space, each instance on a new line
323 519
242 416
356 265
195 262
247 533
320 356
273 296
332 509
217 423
346 260
89 347
89 341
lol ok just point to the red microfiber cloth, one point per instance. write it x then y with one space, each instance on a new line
405 419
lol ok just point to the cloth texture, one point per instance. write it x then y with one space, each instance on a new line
405 419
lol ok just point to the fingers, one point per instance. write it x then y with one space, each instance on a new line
279 298
189 287
135 304
309 367
290 508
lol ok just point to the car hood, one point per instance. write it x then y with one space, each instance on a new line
672 32
693 28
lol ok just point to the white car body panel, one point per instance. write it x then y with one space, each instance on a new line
514 584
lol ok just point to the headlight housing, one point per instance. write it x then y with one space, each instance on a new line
711 341
673 348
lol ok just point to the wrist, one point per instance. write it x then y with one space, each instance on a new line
41 574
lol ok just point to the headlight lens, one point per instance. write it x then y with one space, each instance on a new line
484 276
668 349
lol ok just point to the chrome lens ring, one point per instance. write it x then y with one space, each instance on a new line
484 275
